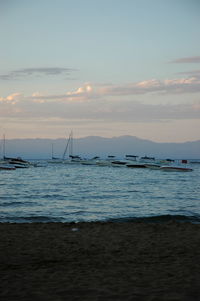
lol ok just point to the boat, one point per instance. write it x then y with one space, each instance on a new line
107 162
7 167
75 159
15 162
195 162
54 160
131 158
175 168
40 163
146 159
153 166
92 161
162 162
104 163
143 162
69 148
118 163
136 165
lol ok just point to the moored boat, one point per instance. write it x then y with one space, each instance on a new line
104 163
54 160
131 157
175 168
118 163
152 166
75 159
17 162
147 159
136 165
92 161
7 167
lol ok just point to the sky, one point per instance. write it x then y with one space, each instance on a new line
100 68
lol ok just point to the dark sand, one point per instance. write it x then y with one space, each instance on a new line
100 261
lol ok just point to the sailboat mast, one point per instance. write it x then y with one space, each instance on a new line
52 151
4 146
69 141
71 145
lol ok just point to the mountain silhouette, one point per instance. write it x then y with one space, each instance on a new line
99 146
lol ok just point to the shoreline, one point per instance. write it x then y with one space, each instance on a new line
100 261
160 219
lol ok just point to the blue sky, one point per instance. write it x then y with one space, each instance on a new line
105 68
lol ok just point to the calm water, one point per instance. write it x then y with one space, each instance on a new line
69 193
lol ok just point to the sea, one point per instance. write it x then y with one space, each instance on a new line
77 193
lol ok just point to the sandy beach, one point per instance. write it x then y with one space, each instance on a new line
100 261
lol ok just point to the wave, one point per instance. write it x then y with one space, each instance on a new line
17 203
30 219
159 219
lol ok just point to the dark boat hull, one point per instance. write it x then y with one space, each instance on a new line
136 165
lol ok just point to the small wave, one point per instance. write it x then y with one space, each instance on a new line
79 212
10 204
30 219
148 220
159 219
52 196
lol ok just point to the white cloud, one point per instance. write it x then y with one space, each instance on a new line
113 102
168 86
91 91
12 98
122 111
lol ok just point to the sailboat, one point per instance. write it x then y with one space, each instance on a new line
13 162
4 165
69 148
53 158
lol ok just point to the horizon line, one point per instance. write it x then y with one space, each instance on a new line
94 136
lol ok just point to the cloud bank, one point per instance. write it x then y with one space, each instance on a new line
91 92
95 91
187 60
105 102
28 72
19 106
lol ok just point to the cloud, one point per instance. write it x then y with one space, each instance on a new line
84 93
195 73
46 71
168 86
103 110
90 92
107 102
187 60
12 98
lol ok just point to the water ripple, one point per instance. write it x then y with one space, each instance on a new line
80 193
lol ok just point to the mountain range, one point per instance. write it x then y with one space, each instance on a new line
100 146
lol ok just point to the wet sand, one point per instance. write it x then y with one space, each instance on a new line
100 261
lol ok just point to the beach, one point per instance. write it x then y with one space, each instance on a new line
100 261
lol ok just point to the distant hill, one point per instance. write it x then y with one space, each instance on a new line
99 146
